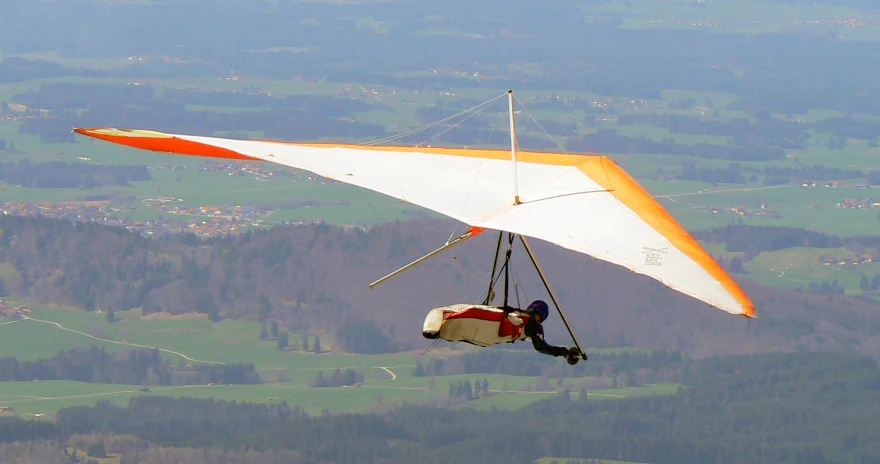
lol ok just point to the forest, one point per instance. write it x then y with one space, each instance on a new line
772 408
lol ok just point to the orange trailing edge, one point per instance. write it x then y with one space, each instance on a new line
157 141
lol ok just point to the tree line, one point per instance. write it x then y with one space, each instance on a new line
765 131
807 408
364 337
630 367
464 389
742 132
57 174
609 141
757 239
800 101
139 366
339 378
736 173
294 117
284 124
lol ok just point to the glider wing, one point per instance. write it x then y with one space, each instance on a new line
586 203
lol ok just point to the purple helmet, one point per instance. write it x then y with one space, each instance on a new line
540 308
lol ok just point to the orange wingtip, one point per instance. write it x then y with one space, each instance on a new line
157 141
622 186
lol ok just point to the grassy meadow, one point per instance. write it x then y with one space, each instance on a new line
194 338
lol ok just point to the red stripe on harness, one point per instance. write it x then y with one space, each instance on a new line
476 313
508 329
505 327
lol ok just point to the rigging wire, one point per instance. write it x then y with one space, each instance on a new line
518 287
431 347
470 112
474 110
478 107
510 238
516 290
478 284
539 124
489 294
474 113
572 136
476 175
504 267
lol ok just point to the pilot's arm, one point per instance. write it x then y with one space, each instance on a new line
535 332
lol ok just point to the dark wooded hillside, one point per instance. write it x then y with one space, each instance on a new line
318 277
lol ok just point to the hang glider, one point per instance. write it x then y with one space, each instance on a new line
585 203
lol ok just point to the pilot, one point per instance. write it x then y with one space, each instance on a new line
537 313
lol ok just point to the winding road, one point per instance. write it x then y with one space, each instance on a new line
782 276
393 375
176 353
709 191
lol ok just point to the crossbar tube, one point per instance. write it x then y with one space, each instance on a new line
456 241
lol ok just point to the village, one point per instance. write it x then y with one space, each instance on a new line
834 184
858 203
15 313
761 210
862 258
237 169
204 221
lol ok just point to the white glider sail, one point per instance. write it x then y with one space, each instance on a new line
585 203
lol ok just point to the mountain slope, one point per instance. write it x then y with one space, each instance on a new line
318 277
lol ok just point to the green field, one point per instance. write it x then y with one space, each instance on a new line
46 397
797 267
194 338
